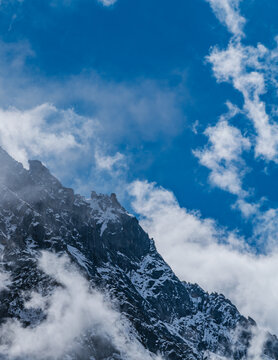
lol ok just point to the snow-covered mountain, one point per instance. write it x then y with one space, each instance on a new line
165 316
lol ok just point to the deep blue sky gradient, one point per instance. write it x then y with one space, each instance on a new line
164 41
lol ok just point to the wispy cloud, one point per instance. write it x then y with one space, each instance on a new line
223 156
72 310
4 280
247 69
200 251
107 2
37 118
42 130
57 3
108 162
265 223
228 13
252 72
142 110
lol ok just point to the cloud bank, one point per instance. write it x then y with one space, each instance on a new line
72 310
200 251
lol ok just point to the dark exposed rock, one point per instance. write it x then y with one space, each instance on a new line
178 320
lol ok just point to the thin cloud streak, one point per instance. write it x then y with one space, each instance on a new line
227 11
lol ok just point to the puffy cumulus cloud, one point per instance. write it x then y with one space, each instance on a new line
223 156
231 63
199 251
227 11
42 130
72 310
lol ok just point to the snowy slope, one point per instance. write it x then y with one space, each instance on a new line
175 319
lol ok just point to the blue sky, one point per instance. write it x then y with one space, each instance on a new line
115 96
135 42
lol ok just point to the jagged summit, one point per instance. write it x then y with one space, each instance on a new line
104 202
174 318
36 166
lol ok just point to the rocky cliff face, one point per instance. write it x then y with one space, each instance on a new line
176 319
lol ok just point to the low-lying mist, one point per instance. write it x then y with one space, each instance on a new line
79 323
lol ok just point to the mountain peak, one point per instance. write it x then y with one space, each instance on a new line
37 166
41 175
178 320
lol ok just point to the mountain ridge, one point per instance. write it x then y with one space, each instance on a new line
176 319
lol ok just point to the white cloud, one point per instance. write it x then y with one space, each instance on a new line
107 2
42 130
56 3
199 251
4 280
266 229
117 113
127 112
72 310
256 345
111 115
252 70
107 162
223 156
247 68
247 209
4 275
227 11
265 223
255 351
